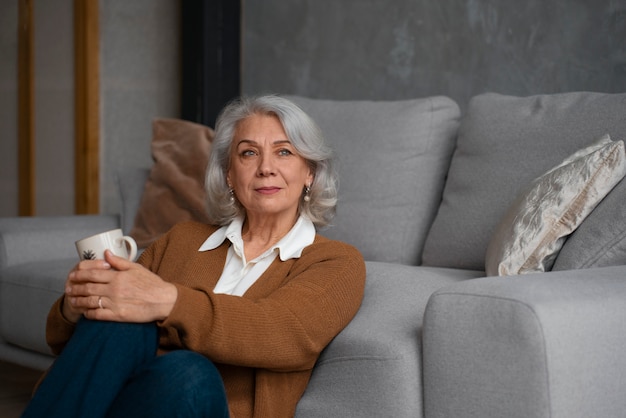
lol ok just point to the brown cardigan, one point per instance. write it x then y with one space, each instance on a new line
264 343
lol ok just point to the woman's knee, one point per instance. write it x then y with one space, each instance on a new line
118 330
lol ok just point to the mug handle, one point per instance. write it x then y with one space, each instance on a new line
133 247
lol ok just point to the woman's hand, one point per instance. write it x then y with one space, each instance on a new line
117 290
73 312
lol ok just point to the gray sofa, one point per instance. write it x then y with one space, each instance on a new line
423 188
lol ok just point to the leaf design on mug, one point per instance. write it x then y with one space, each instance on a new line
89 255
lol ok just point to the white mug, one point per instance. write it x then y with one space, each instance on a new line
93 247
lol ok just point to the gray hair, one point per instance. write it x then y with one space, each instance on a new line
305 136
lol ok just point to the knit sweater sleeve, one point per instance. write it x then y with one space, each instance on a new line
58 329
284 320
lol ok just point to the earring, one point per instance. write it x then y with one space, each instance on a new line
231 193
307 190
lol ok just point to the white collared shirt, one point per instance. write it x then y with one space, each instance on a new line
239 274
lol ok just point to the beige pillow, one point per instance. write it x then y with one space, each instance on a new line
531 233
174 191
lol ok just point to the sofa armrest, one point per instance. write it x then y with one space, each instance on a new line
26 239
542 345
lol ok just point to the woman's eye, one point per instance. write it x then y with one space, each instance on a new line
247 153
284 152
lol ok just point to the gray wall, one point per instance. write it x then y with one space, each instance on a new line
381 49
139 80
54 107
366 49
54 101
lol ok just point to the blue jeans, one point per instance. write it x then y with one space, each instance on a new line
110 369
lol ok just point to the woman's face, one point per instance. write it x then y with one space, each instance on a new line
266 173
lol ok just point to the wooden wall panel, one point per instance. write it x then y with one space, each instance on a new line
87 165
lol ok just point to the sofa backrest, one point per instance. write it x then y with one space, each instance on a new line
504 143
392 159
131 182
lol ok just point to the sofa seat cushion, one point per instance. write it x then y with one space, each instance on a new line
381 344
26 293
392 159
504 143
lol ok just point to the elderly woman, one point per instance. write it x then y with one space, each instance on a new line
215 319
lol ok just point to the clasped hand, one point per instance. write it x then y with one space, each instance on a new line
116 289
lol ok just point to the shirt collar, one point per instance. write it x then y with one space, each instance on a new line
301 235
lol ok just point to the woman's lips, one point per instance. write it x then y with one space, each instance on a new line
268 190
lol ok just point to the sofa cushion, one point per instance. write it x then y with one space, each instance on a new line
531 233
382 344
392 159
174 191
505 142
26 293
131 182
600 240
